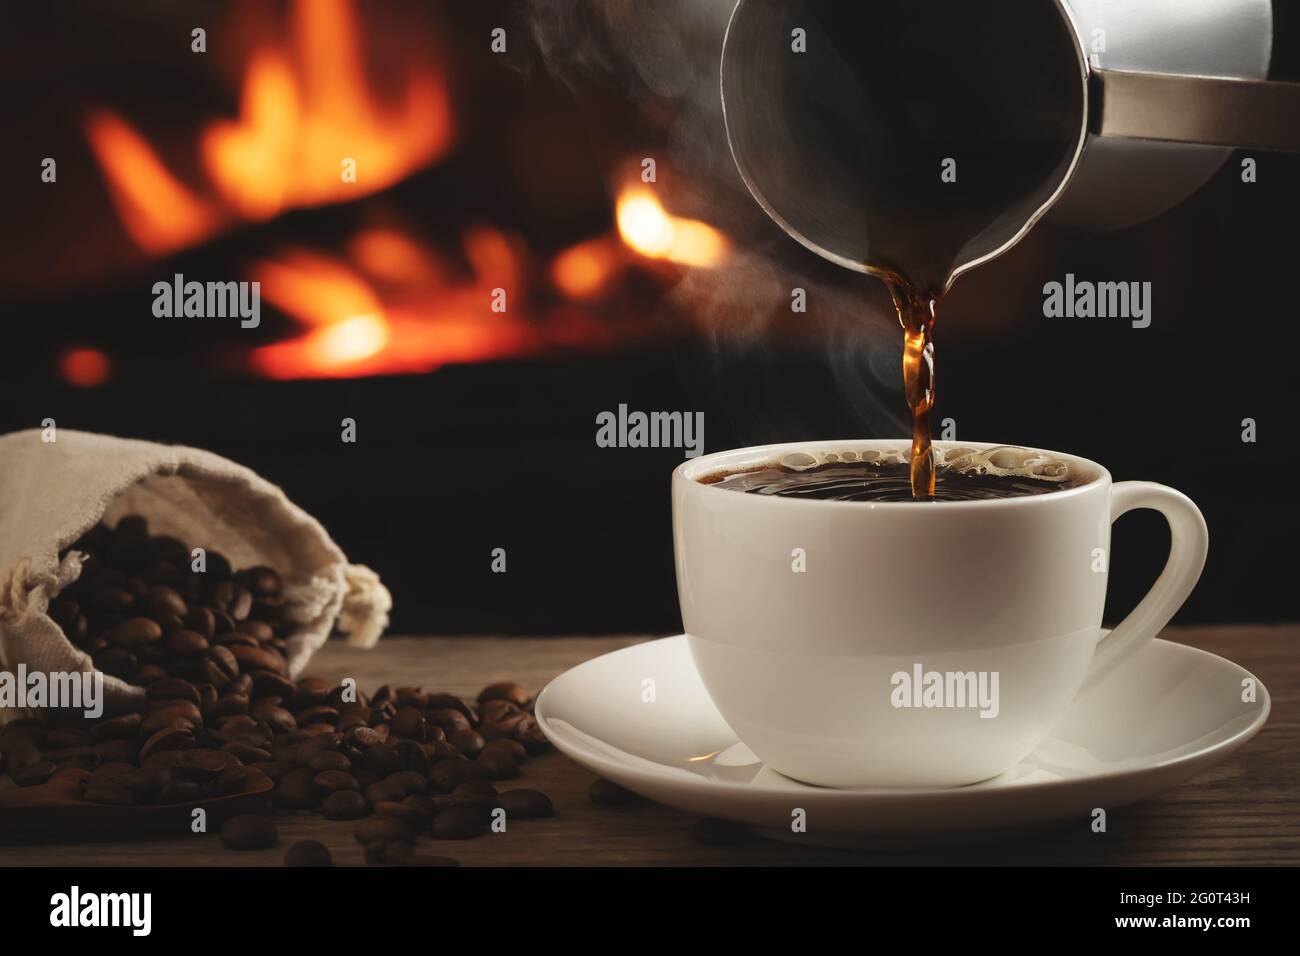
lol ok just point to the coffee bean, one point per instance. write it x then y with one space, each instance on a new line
415 816
529 733
175 737
329 760
236 780
230 705
312 692
382 759
308 853
164 600
525 804
181 791
497 711
383 828
414 756
409 723
452 702
135 632
146 674
409 781
319 714
421 804
111 600
117 662
110 751
258 629
220 666
250 831
512 748
267 709
383 791
497 765
200 621
468 742
388 853
242 684
331 781
366 737
107 792
609 794
173 688
207 698
246 753
345 805
449 720
145 784
34 774
203 765
295 791
446 775
460 823
506 690
261 581
258 658
171 713
233 639
184 643
270 684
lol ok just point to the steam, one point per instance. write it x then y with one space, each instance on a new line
669 52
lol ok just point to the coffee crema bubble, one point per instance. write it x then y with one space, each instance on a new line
961 474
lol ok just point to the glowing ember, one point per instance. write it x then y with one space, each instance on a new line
653 232
84 367
308 119
585 270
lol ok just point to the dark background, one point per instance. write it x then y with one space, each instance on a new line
453 464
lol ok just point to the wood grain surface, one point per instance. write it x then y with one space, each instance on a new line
1244 811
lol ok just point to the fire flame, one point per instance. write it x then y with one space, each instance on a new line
367 318
651 231
308 119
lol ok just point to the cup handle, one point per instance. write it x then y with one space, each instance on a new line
1188 545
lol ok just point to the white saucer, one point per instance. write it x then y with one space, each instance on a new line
1174 711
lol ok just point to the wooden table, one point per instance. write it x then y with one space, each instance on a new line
1243 811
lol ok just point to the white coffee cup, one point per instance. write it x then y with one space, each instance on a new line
803 615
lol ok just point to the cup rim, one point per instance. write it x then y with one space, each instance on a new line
690 471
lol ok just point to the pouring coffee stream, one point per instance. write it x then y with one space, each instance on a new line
916 313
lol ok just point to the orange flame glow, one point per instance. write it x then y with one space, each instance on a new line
651 231
584 271
310 131
156 209
84 367
419 324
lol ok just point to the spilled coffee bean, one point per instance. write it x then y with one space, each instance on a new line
308 853
221 717
525 804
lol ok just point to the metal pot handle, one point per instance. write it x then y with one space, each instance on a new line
1216 111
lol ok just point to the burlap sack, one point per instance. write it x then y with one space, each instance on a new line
51 492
